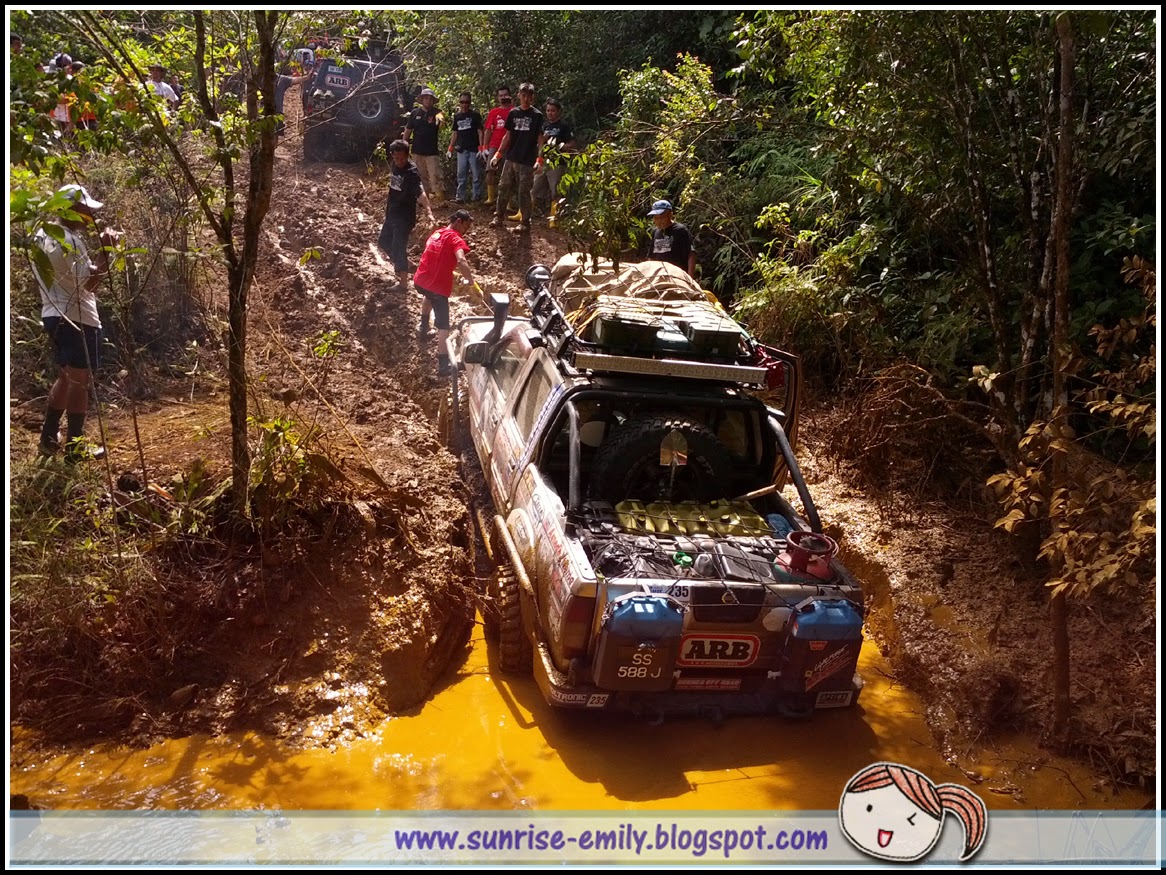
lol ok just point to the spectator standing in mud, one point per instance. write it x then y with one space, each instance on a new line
421 132
69 316
548 171
671 241
405 193
445 252
495 131
468 141
520 148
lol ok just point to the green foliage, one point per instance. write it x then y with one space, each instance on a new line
1104 533
68 573
327 345
574 55
294 470
606 203
655 151
1102 526
196 501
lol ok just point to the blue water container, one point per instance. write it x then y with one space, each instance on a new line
827 620
821 647
639 643
780 525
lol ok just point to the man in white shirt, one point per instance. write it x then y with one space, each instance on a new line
161 86
69 315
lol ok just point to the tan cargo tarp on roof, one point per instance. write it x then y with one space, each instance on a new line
576 281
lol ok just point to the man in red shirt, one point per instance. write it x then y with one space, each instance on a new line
445 251
495 131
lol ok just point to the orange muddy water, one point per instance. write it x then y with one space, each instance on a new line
488 742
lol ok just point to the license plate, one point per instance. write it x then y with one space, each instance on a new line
834 699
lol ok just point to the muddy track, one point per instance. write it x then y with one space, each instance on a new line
400 579
363 617
963 620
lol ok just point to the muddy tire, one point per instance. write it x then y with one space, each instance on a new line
514 651
445 429
452 426
627 465
370 109
315 146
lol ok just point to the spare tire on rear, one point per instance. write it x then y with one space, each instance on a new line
370 108
627 465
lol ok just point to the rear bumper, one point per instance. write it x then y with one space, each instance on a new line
763 697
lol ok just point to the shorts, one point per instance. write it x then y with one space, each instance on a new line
73 346
440 305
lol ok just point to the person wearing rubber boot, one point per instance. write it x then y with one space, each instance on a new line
445 252
520 149
405 193
559 140
495 131
69 315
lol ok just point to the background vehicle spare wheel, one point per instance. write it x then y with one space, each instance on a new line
370 109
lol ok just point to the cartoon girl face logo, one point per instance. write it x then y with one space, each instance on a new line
893 812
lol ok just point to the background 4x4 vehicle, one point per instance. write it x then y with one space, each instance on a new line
353 103
648 557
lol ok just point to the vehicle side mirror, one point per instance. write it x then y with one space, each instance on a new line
476 353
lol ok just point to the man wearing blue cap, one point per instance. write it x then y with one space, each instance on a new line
671 241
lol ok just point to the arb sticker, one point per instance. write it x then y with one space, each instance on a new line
718 651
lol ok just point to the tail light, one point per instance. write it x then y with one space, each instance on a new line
576 625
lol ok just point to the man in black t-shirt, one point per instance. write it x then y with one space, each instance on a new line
421 133
557 140
671 241
520 149
405 193
469 141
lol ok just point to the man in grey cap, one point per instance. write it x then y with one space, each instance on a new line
69 314
421 134
671 241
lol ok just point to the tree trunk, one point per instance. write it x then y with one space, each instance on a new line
1061 354
241 261
237 383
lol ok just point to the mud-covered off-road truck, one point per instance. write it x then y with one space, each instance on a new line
649 558
354 101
